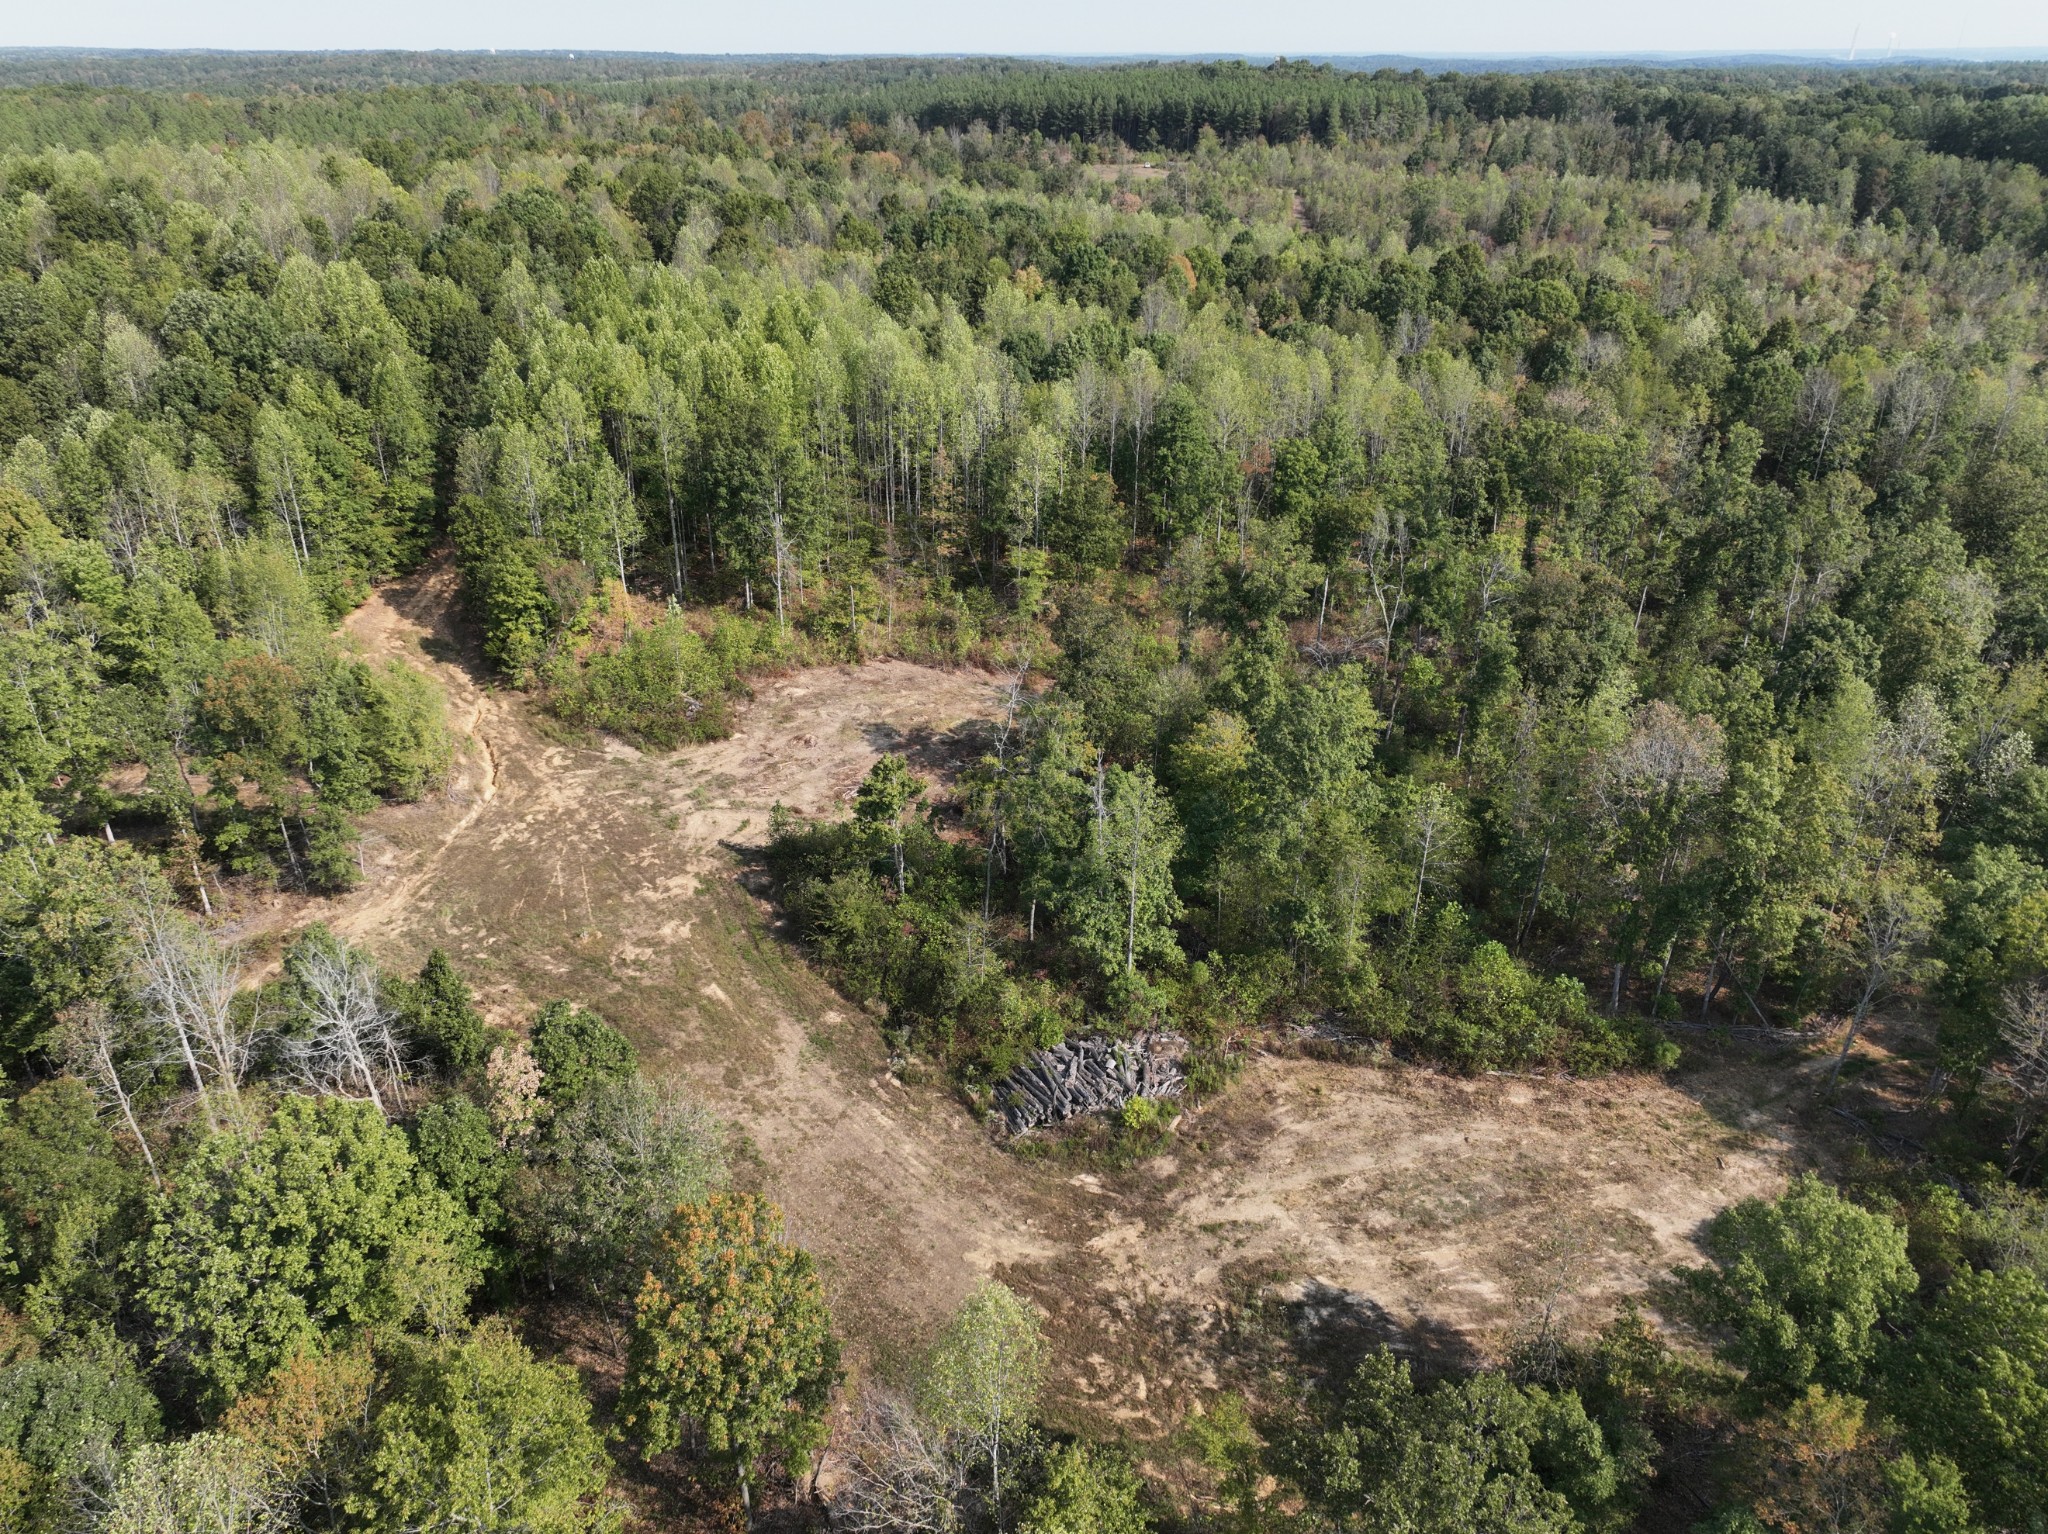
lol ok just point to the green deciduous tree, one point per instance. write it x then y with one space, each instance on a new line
1801 1283
264 1245
73 1411
65 1196
1971 1383
1119 903
885 793
576 1049
457 1146
210 1481
1086 1491
474 1433
982 1379
1480 1454
606 1175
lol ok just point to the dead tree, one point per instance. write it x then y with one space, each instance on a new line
900 1473
347 1047
187 982
2024 1031
1895 922
99 1045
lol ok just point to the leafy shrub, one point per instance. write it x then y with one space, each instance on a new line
1479 1008
575 1050
660 687
438 1014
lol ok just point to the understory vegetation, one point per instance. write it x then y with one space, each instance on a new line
1499 571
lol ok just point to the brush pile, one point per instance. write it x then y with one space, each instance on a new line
1090 1076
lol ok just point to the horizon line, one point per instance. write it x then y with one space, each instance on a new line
1989 53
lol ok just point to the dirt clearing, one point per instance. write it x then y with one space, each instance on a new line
1434 1211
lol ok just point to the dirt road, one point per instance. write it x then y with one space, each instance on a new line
1436 1211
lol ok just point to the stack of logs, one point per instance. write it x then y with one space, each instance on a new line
1089 1076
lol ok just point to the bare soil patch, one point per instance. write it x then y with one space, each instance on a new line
1136 170
1432 1211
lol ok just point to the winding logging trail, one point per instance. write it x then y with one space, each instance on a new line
1432 1210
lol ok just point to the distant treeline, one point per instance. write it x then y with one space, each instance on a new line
325 100
371 69
1165 104
1924 140
1764 122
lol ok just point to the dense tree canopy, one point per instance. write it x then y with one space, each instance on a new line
322 1222
1513 570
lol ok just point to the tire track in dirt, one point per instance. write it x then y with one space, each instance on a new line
385 632
1419 1208
602 875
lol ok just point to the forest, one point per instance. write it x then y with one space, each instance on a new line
1537 574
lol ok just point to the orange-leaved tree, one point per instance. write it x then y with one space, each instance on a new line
731 1340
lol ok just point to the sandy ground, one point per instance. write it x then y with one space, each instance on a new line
1435 1212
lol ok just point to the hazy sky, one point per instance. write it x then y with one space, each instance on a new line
1036 26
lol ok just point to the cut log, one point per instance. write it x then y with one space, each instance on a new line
1092 1075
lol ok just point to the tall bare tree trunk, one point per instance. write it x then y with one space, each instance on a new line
1131 931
